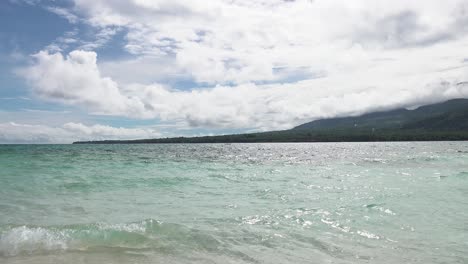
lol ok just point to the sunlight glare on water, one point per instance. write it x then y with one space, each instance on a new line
235 203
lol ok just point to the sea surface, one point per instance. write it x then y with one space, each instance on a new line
235 203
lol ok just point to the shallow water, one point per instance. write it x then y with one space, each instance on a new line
235 203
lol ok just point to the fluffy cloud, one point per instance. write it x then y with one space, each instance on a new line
265 64
26 133
240 41
76 80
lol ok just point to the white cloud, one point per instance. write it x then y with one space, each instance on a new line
12 132
268 64
242 41
101 131
76 80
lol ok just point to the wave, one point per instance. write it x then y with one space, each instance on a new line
146 234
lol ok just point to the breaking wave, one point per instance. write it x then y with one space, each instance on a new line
16 240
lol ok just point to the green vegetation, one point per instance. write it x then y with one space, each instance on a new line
451 115
444 121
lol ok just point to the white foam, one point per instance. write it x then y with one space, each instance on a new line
367 234
28 240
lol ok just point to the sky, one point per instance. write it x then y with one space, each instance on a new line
123 69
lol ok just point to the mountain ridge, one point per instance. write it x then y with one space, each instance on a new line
399 116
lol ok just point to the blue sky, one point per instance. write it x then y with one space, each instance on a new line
94 69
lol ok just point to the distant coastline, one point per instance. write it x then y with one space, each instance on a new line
447 121
286 137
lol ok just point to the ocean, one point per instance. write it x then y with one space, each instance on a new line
403 202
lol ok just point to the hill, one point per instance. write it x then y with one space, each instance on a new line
442 121
449 115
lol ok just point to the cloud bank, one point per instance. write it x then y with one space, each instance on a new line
221 41
76 80
12 132
263 64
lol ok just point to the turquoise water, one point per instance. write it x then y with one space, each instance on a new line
235 203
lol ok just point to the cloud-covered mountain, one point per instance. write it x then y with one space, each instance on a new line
442 121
